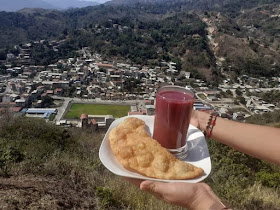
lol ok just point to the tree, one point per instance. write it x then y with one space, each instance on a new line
238 92
241 100
229 92
9 155
47 101
3 55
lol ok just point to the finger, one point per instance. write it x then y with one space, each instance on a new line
136 182
156 188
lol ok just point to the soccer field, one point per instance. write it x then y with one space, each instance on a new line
97 109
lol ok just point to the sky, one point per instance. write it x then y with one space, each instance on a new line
15 5
99 1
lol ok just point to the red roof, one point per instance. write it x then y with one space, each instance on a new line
147 102
15 109
58 90
105 65
40 87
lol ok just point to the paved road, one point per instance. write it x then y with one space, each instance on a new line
61 110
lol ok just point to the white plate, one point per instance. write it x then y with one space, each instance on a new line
198 152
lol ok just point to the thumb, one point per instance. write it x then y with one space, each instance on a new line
155 188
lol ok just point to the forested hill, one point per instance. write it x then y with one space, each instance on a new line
200 36
233 7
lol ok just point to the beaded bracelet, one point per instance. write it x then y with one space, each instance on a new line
210 125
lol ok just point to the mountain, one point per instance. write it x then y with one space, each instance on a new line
129 2
66 4
228 37
231 7
101 1
14 5
30 24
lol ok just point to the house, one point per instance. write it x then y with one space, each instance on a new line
37 104
58 92
64 123
49 92
84 120
261 108
40 113
223 112
96 121
211 95
21 102
105 66
34 95
238 116
135 113
115 78
10 57
150 109
14 97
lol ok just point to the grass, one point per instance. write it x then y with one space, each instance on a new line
97 109
70 156
52 117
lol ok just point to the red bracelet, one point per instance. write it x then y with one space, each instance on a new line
210 125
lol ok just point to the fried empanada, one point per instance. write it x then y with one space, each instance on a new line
138 152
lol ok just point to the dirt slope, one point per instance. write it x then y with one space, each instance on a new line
35 192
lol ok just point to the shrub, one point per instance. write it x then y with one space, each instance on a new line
9 155
267 179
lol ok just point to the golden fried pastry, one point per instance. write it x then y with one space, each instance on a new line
137 151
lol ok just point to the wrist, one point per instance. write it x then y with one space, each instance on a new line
203 118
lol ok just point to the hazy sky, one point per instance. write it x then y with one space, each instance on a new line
99 1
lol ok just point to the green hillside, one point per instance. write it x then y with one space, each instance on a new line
46 166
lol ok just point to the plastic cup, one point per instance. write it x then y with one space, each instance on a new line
174 107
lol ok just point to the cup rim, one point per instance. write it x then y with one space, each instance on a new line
184 90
